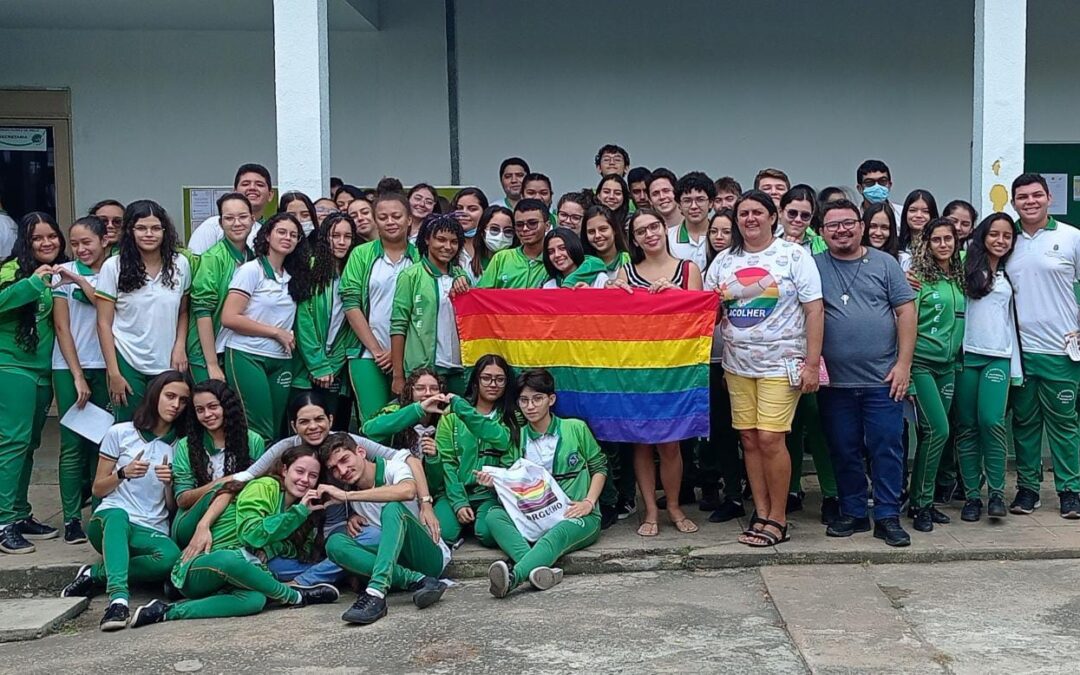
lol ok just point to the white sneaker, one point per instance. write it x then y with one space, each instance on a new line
543 578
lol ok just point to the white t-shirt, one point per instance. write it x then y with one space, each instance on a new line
447 344
683 246
269 303
207 234
1043 269
395 471
82 320
264 463
763 317
990 324
337 315
143 498
9 230
541 450
381 285
144 327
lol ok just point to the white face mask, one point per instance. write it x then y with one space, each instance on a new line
307 226
498 242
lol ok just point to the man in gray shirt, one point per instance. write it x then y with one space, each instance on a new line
868 345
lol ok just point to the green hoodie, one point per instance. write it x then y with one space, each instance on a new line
467 442
577 456
264 524
209 286
14 295
513 269
357 274
587 271
939 308
416 313
313 318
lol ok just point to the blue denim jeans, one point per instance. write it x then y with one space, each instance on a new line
322 572
865 420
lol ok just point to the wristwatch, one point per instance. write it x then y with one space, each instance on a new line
426 499
120 475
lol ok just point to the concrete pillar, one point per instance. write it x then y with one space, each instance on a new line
302 96
997 150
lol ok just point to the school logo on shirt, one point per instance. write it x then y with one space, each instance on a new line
573 460
750 297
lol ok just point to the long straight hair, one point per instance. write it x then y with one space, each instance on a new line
978 277
146 417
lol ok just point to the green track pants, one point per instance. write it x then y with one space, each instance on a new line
263 385
78 455
225 583
934 387
1047 400
569 535
806 432
23 405
982 396
405 553
186 520
129 552
450 527
137 382
371 388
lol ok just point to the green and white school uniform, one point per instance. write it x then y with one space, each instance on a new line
209 287
592 271
184 479
367 284
389 426
25 387
612 268
571 455
511 268
259 368
468 441
682 245
423 313
78 455
405 553
1043 270
144 325
130 526
324 338
230 580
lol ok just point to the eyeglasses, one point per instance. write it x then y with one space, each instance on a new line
420 201
651 228
148 229
529 224
535 400
840 224
870 182
496 231
287 233
493 379
795 214
694 201
574 218
243 218
117 221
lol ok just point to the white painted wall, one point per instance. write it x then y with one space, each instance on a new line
727 87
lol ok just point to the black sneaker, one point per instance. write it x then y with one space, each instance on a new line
366 610
152 612
12 541
499 578
34 529
1026 501
972 511
73 532
938 517
543 578
116 617
845 526
172 593
830 510
995 508
729 510
318 594
794 501
923 520
890 530
1070 505
427 592
83 586
627 508
609 515
943 494
710 499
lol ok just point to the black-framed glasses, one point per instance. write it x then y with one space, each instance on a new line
841 225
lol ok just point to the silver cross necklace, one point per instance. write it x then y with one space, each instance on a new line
844 296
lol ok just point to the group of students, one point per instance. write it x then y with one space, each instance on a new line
337 314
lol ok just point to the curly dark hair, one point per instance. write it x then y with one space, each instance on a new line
132 267
237 452
26 335
297 263
324 267
407 438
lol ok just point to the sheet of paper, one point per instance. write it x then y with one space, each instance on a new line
202 205
1076 188
1059 192
91 422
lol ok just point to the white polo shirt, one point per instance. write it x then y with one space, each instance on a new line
1043 269
541 450
144 327
394 471
82 320
447 344
337 314
683 246
269 303
143 498
381 285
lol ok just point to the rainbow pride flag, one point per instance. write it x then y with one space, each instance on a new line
635 367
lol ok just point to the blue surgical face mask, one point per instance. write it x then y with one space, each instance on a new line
470 233
875 193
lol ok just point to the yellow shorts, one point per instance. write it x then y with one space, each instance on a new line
766 403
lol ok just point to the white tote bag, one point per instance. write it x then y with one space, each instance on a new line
531 496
